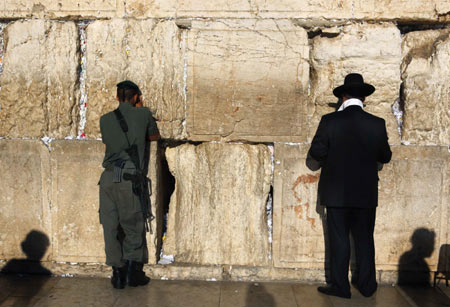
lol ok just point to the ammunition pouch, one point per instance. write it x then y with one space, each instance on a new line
118 167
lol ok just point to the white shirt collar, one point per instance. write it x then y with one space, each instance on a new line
351 102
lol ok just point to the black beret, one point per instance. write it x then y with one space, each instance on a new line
127 84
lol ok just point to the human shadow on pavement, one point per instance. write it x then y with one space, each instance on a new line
413 270
414 275
27 276
257 296
34 247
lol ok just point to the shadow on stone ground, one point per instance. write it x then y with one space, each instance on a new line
34 247
28 273
29 290
413 268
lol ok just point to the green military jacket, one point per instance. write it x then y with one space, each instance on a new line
140 123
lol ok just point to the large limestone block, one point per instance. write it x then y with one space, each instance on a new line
413 194
426 87
217 211
297 227
239 8
24 200
147 52
58 9
400 9
311 9
76 170
39 93
374 50
247 80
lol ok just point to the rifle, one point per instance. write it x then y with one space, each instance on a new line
141 184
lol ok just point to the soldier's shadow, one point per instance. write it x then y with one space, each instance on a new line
28 276
34 247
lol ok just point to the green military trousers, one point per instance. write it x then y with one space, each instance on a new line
120 208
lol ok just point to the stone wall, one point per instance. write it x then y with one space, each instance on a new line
237 89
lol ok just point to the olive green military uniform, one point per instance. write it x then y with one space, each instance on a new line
118 204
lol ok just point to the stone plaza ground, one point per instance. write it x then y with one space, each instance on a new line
78 291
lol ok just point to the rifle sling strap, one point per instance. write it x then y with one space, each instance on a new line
123 124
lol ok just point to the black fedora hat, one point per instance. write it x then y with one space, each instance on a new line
354 85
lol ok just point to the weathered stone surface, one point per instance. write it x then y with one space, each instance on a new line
76 169
39 92
147 52
312 9
297 227
400 9
63 8
431 10
24 198
247 80
374 50
413 194
154 9
217 211
426 87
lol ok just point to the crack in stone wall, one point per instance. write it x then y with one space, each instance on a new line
82 25
2 45
269 216
397 110
2 50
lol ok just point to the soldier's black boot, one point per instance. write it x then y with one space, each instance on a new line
119 277
135 274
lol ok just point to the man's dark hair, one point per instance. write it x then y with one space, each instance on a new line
126 94
350 96
126 91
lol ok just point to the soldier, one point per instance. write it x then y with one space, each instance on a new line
125 132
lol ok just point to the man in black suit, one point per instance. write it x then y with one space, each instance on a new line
349 145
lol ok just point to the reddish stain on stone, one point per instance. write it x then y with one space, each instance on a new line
299 211
304 179
310 219
308 178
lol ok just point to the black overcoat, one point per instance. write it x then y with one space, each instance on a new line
348 144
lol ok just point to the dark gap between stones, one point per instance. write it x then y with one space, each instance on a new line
166 187
269 218
410 27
